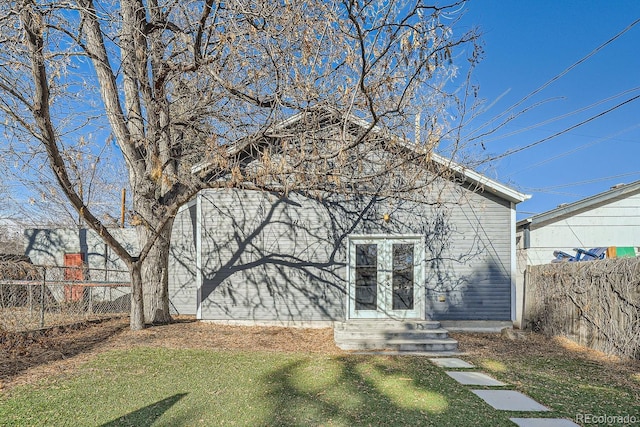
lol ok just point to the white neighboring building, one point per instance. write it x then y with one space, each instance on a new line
611 218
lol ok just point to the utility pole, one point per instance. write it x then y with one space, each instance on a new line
124 199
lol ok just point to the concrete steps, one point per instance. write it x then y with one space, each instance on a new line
423 336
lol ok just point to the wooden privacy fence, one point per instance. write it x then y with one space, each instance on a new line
33 297
595 303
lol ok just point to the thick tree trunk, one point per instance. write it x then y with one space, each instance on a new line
136 321
155 276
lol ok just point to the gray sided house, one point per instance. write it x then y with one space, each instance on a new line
448 253
251 257
256 257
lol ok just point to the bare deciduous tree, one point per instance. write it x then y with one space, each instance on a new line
35 198
196 94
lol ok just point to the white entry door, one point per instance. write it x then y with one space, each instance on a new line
386 277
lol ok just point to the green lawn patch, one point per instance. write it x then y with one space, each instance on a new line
165 387
134 385
569 386
571 380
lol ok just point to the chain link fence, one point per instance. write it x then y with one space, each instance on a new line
35 297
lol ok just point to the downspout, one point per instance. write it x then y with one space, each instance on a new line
198 238
347 306
514 264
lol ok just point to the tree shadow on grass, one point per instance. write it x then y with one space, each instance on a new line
147 416
368 390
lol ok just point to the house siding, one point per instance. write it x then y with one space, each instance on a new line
48 246
271 258
616 223
267 258
182 261
471 278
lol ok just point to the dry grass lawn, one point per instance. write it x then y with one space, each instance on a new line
28 357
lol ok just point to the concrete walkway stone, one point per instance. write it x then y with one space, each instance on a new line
451 362
544 422
474 378
503 400
509 400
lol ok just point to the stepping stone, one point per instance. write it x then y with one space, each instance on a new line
509 400
474 378
544 422
451 362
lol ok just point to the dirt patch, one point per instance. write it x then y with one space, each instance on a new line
187 333
29 357
531 344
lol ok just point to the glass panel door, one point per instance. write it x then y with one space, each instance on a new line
402 273
384 277
366 282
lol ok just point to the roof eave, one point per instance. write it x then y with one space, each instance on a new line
487 184
592 201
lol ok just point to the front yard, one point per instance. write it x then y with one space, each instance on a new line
199 374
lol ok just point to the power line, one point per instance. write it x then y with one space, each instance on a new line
575 184
562 132
549 82
566 153
556 118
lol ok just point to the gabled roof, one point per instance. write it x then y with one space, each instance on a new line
470 176
618 192
487 184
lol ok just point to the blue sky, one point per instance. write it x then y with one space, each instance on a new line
528 43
